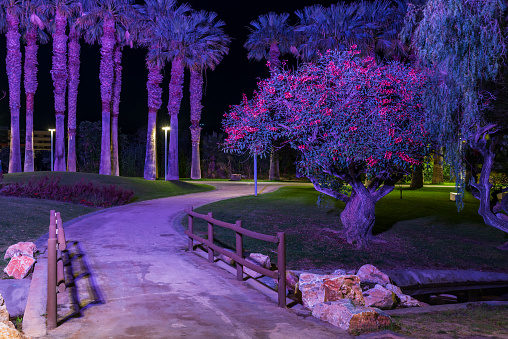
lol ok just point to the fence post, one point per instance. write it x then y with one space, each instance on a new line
210 238
239 252
281 268
191 227
51 305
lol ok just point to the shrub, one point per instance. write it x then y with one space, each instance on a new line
84 193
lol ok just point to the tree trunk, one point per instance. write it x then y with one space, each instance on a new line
59 75
437 172
154 103
30 89
358 218
117 89
106 77
74 64
175 99
196 94
150 163
13 68
417 178
274 165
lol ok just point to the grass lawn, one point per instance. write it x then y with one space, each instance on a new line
421 230
473 321
24 219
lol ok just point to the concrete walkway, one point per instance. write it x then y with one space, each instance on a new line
152 288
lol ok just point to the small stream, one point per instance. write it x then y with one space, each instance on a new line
452 294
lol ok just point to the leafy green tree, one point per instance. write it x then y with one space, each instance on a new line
466 43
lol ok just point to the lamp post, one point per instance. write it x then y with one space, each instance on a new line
166 129
52 130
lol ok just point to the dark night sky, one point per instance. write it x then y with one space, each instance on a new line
224 86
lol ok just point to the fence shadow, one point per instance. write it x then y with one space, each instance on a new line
82 290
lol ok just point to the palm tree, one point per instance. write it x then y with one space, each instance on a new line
271 35
104 21
211 46
75 32
152 37
33 25
12 13
115 107
60 11
322 28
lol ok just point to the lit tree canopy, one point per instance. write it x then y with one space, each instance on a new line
347 116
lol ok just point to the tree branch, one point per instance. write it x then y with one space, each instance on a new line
342 197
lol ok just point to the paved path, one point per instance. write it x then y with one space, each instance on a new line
153 288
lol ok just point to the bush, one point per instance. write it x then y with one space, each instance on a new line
83 193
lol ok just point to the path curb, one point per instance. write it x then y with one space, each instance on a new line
34 320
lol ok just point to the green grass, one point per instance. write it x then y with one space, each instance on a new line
475 320
421 230
24 219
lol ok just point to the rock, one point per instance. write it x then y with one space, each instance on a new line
261 259
344 314
8 331
15 294
250 272
408 301
225 258
339 271
291 281
370 274
380 297
4 314
317 288
19 266
21 248
394 289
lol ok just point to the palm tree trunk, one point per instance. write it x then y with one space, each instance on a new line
175 99
196 94
117 88
106 77
154 103
13 68
273 55
30 89
74 63
59 75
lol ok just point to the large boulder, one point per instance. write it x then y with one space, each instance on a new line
344 314
380 297
21 248
4 314
19 266
403 299
317 288
370 274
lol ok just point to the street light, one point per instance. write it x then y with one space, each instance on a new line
52 130
166 129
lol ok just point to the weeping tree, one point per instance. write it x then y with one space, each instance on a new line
466 43
347 117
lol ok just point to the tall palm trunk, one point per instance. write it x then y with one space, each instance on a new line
13 68
154 103
30 89
106 77
196 94
273 55
74 63
175 99
117 88
59 75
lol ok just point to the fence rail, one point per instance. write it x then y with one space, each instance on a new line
56 277
279 239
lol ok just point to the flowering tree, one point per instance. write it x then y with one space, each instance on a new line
348 117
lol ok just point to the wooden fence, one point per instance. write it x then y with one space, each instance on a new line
56 278
279 239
